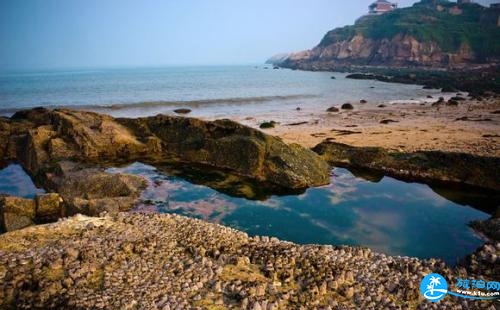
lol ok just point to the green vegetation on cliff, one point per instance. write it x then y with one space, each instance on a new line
446 23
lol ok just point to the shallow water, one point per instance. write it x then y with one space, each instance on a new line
208 90
14 181
388 216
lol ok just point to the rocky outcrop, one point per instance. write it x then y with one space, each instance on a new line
162 261
239 149
86 137
423 166
66 152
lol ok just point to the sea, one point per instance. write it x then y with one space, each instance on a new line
382 213
210 91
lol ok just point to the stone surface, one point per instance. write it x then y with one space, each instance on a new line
162 261
16 213
425 166
49 207
236 148
85 137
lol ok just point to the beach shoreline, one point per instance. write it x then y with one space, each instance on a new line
471 127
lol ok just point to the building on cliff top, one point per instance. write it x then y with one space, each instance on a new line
381 6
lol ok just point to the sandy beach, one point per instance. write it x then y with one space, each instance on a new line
471 127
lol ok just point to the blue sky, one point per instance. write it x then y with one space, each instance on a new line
93 33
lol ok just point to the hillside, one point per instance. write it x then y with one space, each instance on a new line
431 33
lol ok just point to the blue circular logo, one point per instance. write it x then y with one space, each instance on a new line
434 287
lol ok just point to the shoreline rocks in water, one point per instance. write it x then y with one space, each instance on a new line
423 166
67 151
161 261
40 138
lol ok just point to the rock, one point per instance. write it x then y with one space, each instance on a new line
387 121
49 207
347 106
381 106
92 191
46 141
452 102
332 109
16 213
143 261
423 166
266 125
239 149
448 89
79 136
93 138
363 101
182 111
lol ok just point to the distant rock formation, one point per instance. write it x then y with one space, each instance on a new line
278 59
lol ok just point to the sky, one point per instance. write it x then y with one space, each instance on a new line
38 34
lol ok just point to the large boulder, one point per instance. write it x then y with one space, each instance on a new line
17 213
242 150
87 137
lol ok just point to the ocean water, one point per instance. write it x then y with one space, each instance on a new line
214 91
386 215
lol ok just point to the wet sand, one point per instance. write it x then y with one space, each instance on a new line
471 127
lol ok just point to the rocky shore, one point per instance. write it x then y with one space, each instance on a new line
66 152
153 261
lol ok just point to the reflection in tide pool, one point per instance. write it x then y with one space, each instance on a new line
390 216
14 181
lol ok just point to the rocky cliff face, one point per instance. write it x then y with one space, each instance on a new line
425 35
401 50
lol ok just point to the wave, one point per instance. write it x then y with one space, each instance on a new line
157 104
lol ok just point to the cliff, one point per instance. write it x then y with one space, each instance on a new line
430 34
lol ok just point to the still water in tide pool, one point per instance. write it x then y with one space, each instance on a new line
388 216
14 181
